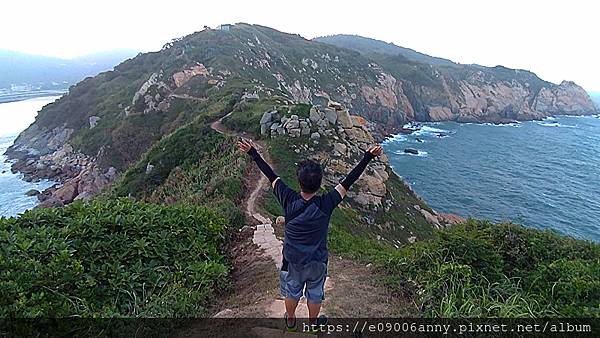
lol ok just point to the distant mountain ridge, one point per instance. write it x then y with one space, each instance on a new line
21 69
368 45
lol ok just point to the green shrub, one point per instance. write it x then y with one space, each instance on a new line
185 146
477 269
110 259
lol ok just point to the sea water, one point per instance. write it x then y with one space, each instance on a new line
542 174
14 118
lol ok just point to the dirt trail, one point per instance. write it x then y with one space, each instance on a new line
257 256
264 238
262 183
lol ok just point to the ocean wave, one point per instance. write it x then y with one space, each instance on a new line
555 124
549 118
511 124
433 130
426 130
395 138
576 115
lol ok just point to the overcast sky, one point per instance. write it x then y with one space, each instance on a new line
558 40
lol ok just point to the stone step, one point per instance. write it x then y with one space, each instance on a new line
261 219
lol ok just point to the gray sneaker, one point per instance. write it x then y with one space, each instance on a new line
290 328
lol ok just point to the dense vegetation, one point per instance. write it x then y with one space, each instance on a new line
478 269
111 258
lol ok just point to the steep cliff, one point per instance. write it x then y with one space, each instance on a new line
437 89
106 123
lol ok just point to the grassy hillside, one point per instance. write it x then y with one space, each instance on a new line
111 258
479 269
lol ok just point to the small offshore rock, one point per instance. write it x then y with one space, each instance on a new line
32 192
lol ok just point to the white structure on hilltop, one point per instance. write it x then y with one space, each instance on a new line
224 27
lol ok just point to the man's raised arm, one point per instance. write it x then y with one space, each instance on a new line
248 147
355 173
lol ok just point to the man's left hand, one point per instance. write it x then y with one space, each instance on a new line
245 145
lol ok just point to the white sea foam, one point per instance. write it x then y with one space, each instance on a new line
433 130
426 130
512 124
395 138
555 124
576 115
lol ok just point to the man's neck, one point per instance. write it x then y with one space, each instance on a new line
306 196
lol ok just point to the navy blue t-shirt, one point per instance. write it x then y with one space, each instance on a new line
307 222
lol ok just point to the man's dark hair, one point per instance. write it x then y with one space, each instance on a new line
309 175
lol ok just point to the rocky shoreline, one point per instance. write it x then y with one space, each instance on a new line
77 176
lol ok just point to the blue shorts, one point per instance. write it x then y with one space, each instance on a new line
309 278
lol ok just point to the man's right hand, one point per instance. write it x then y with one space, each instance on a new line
245 145
375 150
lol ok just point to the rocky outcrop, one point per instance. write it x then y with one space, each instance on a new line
440 221
182 77
337 140
348 135
567 98
49 155
478 98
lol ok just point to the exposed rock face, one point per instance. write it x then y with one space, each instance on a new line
50 156
440 221
350 136
385 93
93 121
567 98
180 78
475 99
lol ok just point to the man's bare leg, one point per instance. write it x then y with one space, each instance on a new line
290 307
313 312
